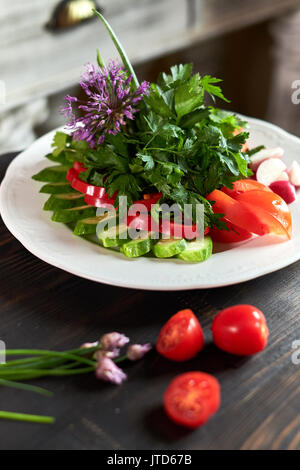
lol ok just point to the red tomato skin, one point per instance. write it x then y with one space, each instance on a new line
271 209
237 213
181 338
234 235
209 398
243 186
240 330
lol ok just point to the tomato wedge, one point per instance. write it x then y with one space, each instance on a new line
240 330
234 235
270 209
242 186
192 398
236 213
181 338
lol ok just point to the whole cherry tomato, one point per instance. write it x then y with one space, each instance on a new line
192 398
181 338
240 330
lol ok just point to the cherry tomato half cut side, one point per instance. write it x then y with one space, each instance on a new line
192 398
181 338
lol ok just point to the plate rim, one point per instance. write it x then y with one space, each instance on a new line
280 264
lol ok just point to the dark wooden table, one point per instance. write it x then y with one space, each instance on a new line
44 307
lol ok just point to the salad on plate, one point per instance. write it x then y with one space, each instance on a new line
152 169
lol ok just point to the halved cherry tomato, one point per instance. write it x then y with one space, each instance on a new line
234 235
192 398
242 186
240 330
270 209
181 338
236 213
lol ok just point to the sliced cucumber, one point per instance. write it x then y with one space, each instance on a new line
169 247
87 226
56 188
75 213
111 236
52 174
197 251
137 247
64 201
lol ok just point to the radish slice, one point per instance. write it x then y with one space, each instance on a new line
263 155
284 176
294 174
284 189
270 170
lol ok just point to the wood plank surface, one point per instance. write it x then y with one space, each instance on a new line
44 307
53 62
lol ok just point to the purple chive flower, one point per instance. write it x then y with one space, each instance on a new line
108 371
137 351
112 341
111 354
109 102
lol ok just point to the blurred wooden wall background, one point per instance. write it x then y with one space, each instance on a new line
252 44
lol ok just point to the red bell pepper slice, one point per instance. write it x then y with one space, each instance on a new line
82 187
99 201
176 229
79 167
142 222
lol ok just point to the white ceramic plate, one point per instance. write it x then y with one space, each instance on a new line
21 209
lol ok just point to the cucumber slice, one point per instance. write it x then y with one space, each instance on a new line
63 201
52 174
169 247
197 251
56 188
137 247
72 215
111 236
87 226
